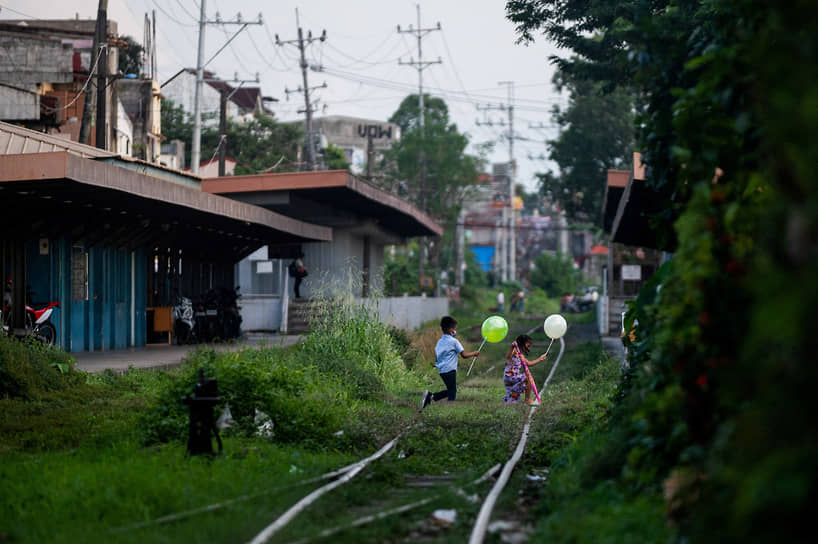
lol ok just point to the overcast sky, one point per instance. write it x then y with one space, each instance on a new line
476 45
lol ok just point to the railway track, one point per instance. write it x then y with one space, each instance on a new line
343 476
486 508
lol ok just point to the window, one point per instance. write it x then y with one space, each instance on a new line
79 273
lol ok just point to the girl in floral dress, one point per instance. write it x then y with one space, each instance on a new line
514 377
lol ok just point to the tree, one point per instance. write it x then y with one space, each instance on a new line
596 133
336 160
554 274
130 56
450 172
717 404
258 145
177 125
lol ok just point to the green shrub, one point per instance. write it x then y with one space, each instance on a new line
349 341
303 403
29 369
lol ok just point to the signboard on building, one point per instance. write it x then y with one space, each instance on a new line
351 132
631 272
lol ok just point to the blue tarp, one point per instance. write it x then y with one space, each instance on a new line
484 255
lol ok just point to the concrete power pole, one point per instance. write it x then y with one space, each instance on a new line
506 240
196 147
420 65
102 75
305 88
512 167
196 144
96 49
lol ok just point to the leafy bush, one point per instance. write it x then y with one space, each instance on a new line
554 274
303 403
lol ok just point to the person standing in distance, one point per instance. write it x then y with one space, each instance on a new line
446 352
300 274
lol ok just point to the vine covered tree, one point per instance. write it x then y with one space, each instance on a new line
714 417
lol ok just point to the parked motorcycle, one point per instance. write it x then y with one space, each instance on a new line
37 324
213 316
184 327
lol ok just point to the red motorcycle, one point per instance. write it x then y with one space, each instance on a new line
38 324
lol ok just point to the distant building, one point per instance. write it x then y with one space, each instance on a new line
43 72
242 102
140 99
354 136
172 154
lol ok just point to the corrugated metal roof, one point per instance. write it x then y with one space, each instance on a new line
16 140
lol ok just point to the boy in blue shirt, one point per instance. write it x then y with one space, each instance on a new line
446 352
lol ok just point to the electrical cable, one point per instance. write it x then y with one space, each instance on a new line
82 91
171 17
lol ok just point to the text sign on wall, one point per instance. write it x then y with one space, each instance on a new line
631 272
375 131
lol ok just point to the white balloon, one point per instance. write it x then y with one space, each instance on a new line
555 326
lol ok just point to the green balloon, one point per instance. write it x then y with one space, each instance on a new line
494 329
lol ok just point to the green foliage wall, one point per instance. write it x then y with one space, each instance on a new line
717 405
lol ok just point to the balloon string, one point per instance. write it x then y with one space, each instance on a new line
475 357
549 347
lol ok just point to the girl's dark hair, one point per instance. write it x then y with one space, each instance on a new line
522 340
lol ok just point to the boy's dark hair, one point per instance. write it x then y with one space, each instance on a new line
522 340
447 323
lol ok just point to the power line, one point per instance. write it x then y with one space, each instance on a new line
171 17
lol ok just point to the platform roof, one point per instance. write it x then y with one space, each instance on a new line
628 212
334 198
61 192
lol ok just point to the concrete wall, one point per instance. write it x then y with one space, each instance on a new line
18 105
29 61
260 312
409 313
338 265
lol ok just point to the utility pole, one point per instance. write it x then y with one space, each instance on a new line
305 88
512 223
196 144
420 65
96 48
224 96
500 232
196 147
222 130
102 75
506 241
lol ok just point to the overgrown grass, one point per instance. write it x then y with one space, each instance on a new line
80 463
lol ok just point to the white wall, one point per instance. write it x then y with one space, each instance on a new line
409 313
337 264
182 91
